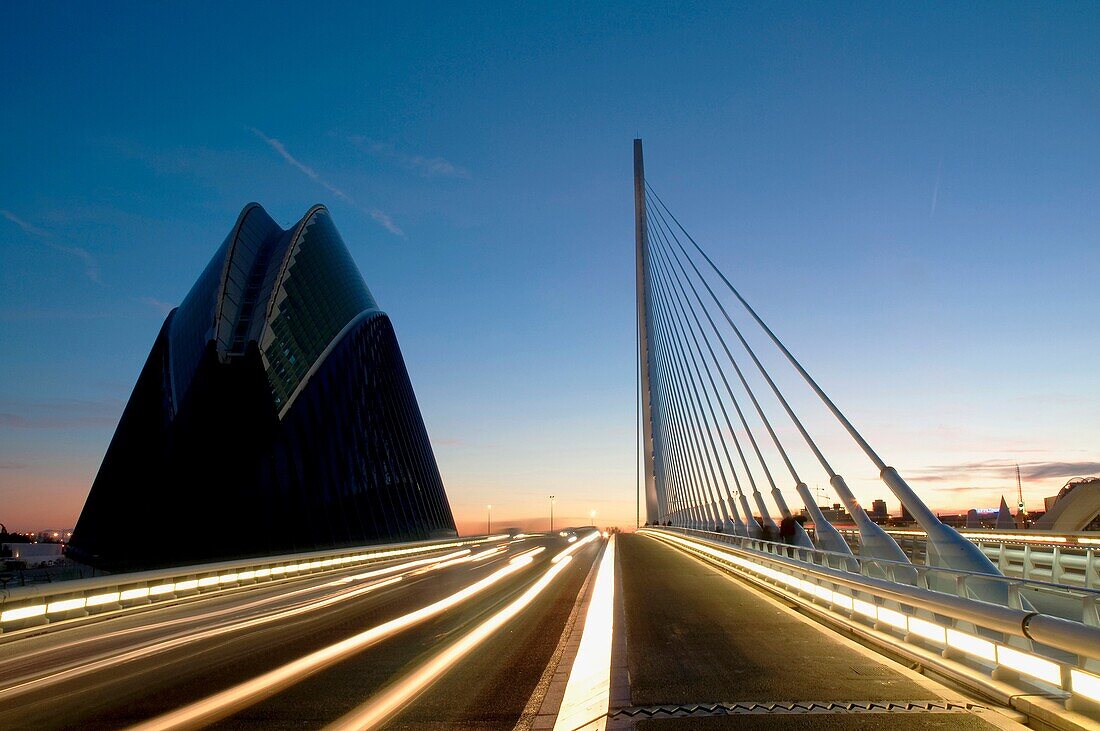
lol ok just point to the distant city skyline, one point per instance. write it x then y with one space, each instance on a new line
909 198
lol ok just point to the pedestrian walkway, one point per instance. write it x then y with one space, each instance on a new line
705 651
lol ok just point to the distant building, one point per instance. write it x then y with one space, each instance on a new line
973 518
273 415
955 520
906 517
1075 507
836 514
878 511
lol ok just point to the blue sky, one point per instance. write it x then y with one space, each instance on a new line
908 192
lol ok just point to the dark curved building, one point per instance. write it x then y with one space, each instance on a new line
274 414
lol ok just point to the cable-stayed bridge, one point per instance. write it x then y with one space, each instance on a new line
707 484
722 611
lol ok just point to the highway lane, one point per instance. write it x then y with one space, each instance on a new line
487 688
177 655
38 650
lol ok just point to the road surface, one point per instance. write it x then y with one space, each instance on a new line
113 672
498 636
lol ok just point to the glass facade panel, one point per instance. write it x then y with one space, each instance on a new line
249 258
321 291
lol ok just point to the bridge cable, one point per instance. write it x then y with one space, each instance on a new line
874 540
776 492
763 510
672 377
681 306
697 449
878 462
737 407
673 454
827 535
738 526
760 366
765 513
733 399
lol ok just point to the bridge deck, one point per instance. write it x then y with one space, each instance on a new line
696 637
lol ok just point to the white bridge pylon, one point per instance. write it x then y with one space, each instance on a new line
697 472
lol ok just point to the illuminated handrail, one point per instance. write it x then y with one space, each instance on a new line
25 605
1067 559
1082 538
1021 647
942 579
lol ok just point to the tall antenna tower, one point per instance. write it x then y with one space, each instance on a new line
1021 511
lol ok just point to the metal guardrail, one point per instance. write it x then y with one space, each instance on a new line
40 604
1072 559
1074 603
1040 654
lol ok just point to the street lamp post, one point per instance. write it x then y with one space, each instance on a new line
551 513
489 522
592 516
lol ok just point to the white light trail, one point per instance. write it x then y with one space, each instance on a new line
488 554
574 547
184 639
209 582
380 708
225 703
438 561
174 641
235 610
588 691
530 552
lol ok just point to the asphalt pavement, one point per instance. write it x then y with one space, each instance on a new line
698 640
113 672
464 639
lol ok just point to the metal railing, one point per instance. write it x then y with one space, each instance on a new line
1074 603
32 605
1072 559
1035 653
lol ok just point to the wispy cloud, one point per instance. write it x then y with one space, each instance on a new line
58 414
280 148
963 490
91 265
1041 470
159 305
384 219
1005 469
428 167
378 215
28 228
7 464
449 442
